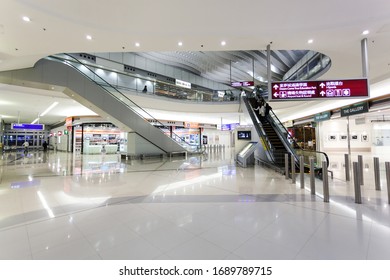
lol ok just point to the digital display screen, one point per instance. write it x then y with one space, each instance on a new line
244 135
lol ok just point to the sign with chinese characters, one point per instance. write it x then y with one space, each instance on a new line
243 84
319 89
354 109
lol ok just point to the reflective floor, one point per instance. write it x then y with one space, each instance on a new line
65 206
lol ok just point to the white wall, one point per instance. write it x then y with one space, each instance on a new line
333 135
217 137
61 142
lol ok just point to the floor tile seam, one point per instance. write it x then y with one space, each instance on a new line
98 252
312 235
211 242
263 240
55 246
226 249
58 245
166 251
29 242
147 241
369 241
329 212
37 221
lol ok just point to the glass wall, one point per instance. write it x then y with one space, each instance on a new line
13 139
100 138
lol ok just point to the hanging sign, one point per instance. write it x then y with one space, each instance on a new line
354 109
27 126
324 116
319 89
243 84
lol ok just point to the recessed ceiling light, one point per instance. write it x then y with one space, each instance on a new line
89 37
365 32
137 44
26 19
310 41
223 43
180 44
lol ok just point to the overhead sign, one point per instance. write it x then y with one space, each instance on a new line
319 89
322 116
229 126
243 84
183 84
354 109
27 126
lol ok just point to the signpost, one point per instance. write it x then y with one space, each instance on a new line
319 89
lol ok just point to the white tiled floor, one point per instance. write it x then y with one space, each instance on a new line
61 206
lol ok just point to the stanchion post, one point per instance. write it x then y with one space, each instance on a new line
302 172
293 176
347 168
356 181
387 164
377 174
286 165
325 181
312 178
360 161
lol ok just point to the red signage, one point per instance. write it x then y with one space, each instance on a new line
243 84
319 89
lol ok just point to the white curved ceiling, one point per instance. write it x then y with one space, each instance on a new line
116 26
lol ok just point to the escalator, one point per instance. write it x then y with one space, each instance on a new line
277 142
82 83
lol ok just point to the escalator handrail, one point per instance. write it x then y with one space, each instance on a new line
294 145
118 91
263 135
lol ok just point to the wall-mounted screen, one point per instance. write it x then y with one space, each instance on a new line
244 135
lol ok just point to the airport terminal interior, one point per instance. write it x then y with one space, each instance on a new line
161 147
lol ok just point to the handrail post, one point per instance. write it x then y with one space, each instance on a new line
360 162
377 174
387 164
325 181
302 172
312 179
347 168
286 165
356 177
293 176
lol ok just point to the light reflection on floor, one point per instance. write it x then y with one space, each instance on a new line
65 206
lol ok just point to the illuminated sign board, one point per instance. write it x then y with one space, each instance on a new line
183 84
243 84
319 89
27 126
354 109
229 126
221 93
322 116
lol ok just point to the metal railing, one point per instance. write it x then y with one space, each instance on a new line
292 146
116 93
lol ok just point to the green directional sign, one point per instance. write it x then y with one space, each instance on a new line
324 116
354 109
